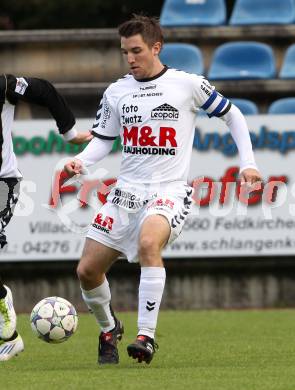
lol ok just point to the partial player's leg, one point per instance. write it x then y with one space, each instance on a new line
154 235
8 199
163 219
7 313
95 262
9 193
10 341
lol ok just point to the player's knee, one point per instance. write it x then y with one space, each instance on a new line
84 272
148 247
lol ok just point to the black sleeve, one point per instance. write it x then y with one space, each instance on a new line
2 89
43 93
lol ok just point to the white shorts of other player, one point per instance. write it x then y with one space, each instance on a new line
119 229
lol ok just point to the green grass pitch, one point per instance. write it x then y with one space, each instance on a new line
199 350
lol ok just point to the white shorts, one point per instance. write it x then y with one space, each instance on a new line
119 228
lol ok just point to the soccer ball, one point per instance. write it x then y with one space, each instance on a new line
54 319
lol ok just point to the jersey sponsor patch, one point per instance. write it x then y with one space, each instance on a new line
130 115
140 140
21 85
165 112
148 87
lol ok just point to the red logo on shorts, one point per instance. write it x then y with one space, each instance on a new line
162 203
103 223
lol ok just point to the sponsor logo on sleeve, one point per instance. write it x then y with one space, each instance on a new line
21 85
206 88
106 113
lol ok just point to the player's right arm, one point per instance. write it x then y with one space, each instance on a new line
95 151
105 130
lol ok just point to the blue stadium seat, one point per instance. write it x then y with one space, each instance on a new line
282 106
182 56
177 13
288 66
247 12
242 60
247 107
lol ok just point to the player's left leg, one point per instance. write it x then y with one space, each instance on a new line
161 222
154 235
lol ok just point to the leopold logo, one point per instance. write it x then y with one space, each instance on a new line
103 223
165 112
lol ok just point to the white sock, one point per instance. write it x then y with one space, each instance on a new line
98 301
151 287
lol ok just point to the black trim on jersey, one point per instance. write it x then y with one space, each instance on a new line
164 70
1 136
43 93
2 89
105 137
2 101
224 111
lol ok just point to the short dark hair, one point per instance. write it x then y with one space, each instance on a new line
148 27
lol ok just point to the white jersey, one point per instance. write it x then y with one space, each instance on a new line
156 120
8 166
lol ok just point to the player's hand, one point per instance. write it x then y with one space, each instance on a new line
81 138
250 176
74 167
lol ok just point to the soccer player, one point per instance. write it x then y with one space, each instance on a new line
153 109
41 92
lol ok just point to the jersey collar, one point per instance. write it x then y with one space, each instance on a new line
164 70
